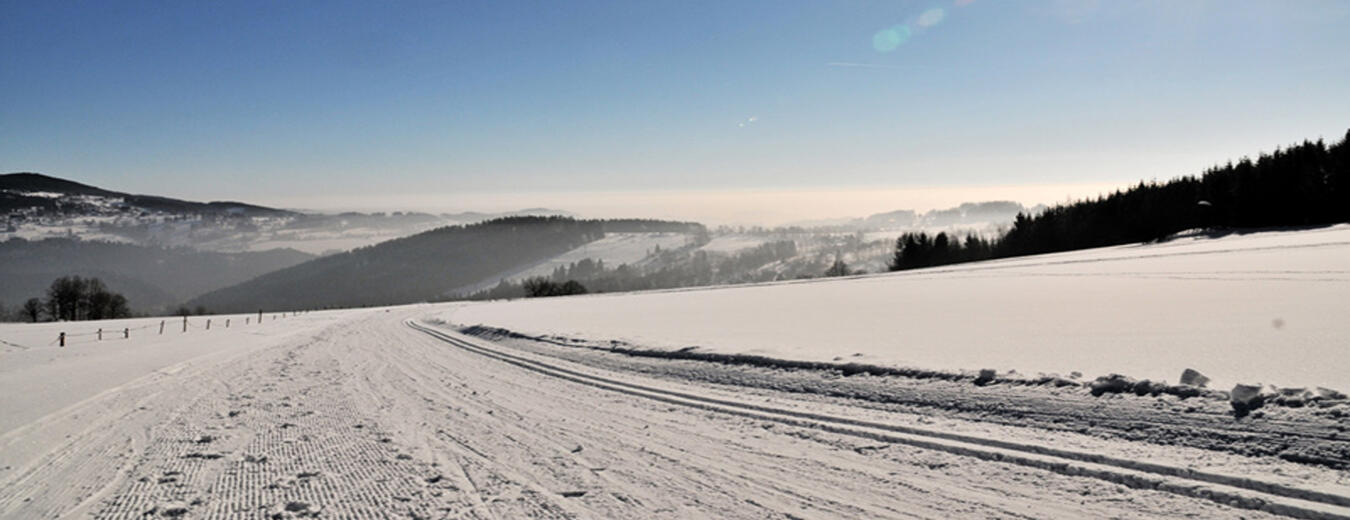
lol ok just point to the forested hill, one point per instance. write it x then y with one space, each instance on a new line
1302 185
50 194
152 278
421 267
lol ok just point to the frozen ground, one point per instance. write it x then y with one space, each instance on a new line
356 414
1262 307
38 377
389 413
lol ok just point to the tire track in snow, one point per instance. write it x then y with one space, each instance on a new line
1235 491
359 420
657 461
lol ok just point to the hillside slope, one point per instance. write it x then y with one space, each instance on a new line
151 278
1262 307
26 190
426 266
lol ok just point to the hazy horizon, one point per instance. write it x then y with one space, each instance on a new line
726 207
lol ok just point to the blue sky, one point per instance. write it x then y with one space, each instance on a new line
445 103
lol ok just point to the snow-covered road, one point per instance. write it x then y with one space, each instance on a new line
357 415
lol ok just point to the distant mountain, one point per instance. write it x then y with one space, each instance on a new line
998 211
891 220
967 214
34 206
423 267
473 217
20 191
152 278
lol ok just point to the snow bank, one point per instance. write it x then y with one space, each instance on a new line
1255 308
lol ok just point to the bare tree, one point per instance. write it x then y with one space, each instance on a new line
32 309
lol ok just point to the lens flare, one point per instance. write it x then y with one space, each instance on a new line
932 17
887 40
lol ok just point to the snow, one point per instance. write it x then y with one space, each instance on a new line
614 249
50 377
352 414
728 244
1261 307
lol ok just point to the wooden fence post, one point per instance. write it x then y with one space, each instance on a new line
208 324
62 339
100 334
184 323
161 327
126 333
227 323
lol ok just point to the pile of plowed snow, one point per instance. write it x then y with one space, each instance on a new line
1263 307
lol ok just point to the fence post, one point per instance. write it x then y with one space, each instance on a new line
100 334
184 323
208 324
126 333
259 316
62 339
246 320
227 323
161 327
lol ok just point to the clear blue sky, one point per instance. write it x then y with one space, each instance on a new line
311 101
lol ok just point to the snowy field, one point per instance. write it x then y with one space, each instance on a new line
1263 307
50 378
730 244
372 413
354 414
615 249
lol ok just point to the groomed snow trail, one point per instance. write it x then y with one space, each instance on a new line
1179 478
368 418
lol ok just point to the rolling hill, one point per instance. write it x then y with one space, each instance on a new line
152 278
28 190
428 266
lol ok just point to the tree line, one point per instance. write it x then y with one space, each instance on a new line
687 266
72 298
1303 185
539 286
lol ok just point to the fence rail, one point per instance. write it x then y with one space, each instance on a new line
165 325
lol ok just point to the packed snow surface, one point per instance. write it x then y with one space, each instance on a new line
1265 307
353 414
49 377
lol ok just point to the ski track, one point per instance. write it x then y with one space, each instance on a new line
370 419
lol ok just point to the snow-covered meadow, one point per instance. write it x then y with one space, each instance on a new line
1265 307
50 378
614 249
